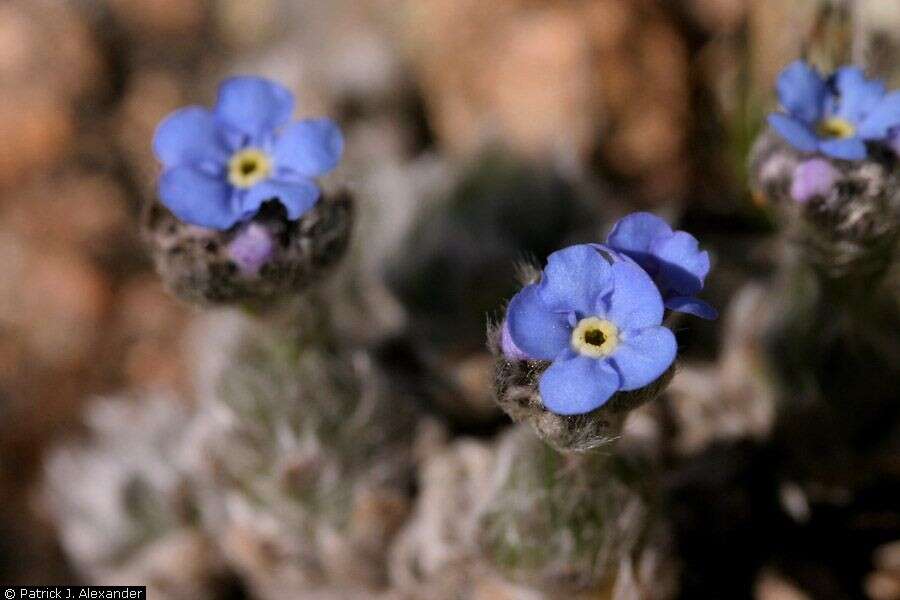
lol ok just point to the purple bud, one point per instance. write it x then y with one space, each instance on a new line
251 248
508 346
814 177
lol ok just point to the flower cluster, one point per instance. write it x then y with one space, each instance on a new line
834 115
597 313
221 165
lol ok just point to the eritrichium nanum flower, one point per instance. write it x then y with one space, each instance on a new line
598 316
221 165
672 258
836 115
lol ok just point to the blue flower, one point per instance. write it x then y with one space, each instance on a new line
672 258
221 165
834 116
598 317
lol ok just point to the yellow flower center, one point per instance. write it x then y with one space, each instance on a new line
835 127
595 337
248 167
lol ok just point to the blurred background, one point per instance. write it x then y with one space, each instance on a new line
535 122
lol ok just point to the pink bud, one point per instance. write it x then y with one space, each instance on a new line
251 248
508 346
814 177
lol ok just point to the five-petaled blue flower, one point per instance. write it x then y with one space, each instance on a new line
834 116
598 317
221 165
672 258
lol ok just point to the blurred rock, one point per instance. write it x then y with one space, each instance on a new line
171 19
879 25
719 16
736 397
772 586
36 131
335 56
180 566
461 51
568 81
150 95
146 336
64 241
473 376
49 45
244 23
440 535
82 210
49 58
884 582
124 504
58 304
769 48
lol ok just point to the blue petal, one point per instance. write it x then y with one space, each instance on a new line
885 116
575 385
536 331
198 198
311 147
857 95
643 355
635 234
682 266
635 301
802 91
297 197
692 306
575 277
254 105
189 136
846 149
796 132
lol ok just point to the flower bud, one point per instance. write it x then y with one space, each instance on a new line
256 260
517 392
845 215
